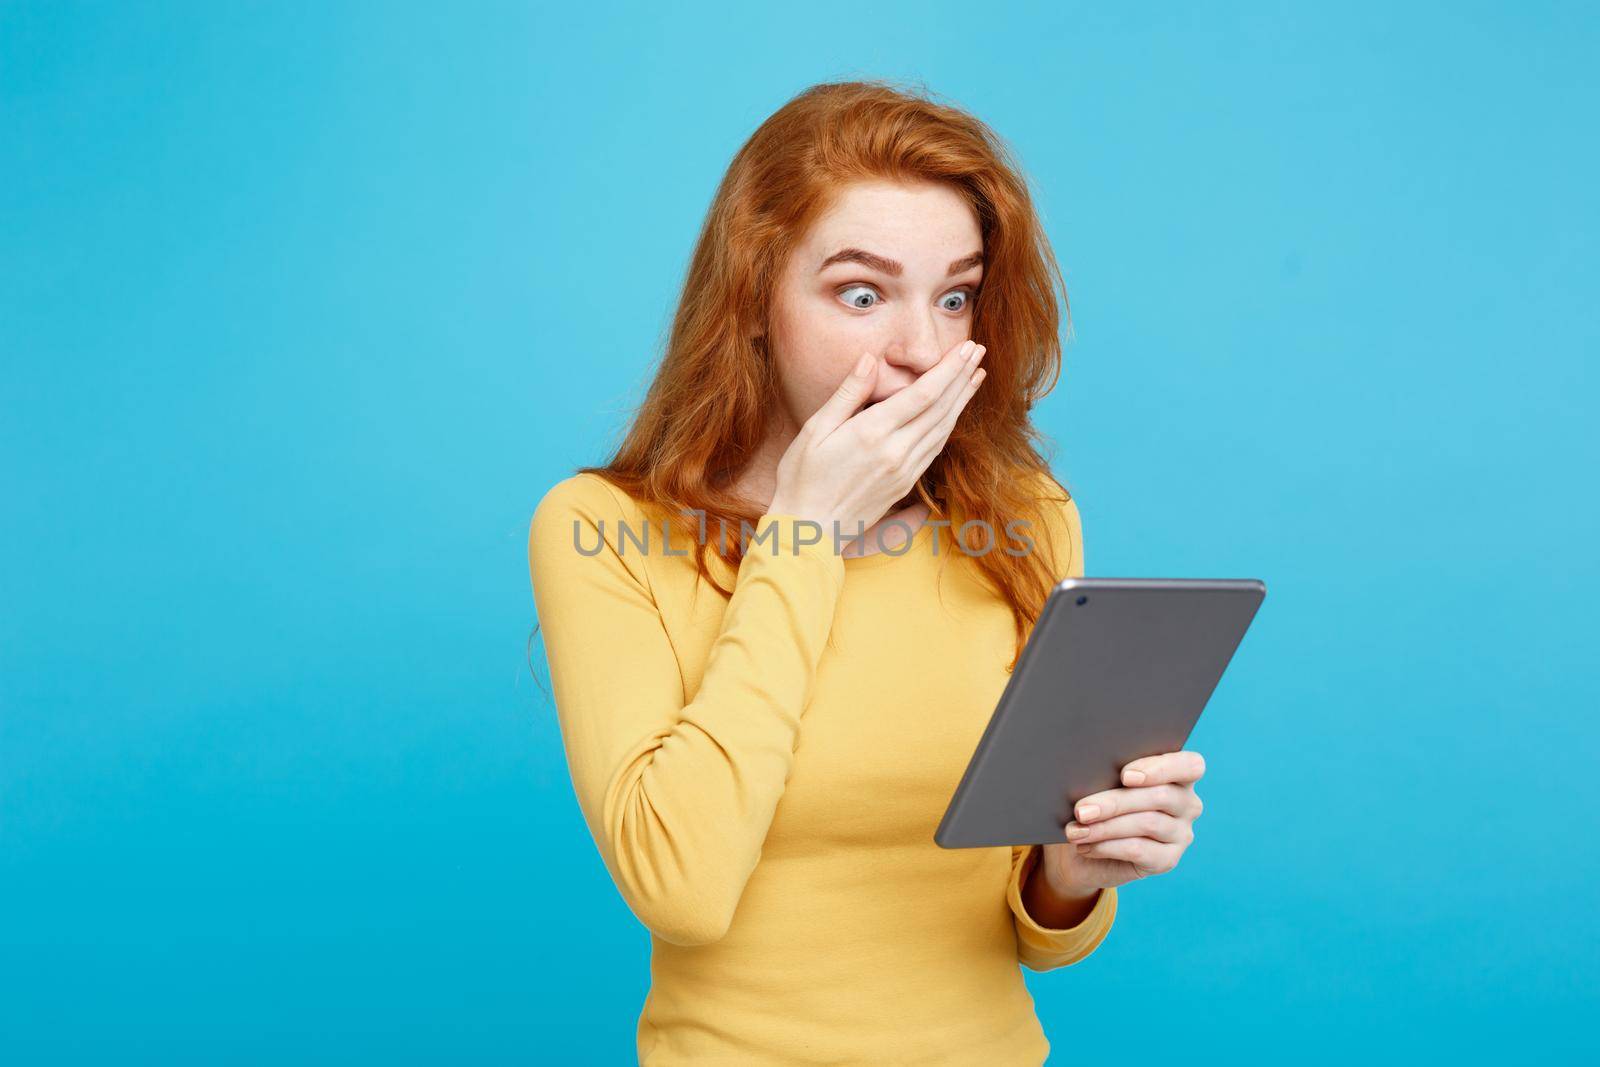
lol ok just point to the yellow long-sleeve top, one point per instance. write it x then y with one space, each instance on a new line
763 775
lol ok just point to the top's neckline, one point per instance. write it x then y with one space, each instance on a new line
881 557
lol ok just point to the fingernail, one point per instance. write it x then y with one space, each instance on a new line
967 348
1075 832
1135 777
1087 812
1082 849
863 365
977 353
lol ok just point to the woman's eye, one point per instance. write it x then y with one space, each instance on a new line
855 301
865 297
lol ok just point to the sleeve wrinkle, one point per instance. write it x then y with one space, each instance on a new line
678 796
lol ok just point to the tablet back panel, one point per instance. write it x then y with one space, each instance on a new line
1124 674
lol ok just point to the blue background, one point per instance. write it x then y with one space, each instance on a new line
303 307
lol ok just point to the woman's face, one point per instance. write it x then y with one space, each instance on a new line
891 269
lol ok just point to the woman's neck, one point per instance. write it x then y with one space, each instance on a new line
910 511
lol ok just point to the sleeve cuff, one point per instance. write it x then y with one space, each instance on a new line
775 535
1042 948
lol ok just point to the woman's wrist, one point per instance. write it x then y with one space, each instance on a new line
1053 906
780 506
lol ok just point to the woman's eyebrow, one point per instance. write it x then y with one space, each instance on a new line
889 266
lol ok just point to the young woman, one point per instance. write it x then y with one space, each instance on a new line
765 723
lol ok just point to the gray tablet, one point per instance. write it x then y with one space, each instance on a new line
1115 669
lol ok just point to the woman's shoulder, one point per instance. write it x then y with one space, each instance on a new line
587 509
587 497
1063 526
587 524
1047 487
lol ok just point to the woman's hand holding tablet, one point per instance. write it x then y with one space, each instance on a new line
1133 831
1084 753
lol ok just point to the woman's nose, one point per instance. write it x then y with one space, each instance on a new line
917 348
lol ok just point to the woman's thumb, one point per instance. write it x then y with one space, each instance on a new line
850 395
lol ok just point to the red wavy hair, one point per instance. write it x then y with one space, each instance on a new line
707 408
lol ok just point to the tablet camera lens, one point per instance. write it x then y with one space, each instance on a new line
1083 600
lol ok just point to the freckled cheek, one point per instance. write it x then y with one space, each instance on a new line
805 379
823 360
832 351
826 370
810 386
819 349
